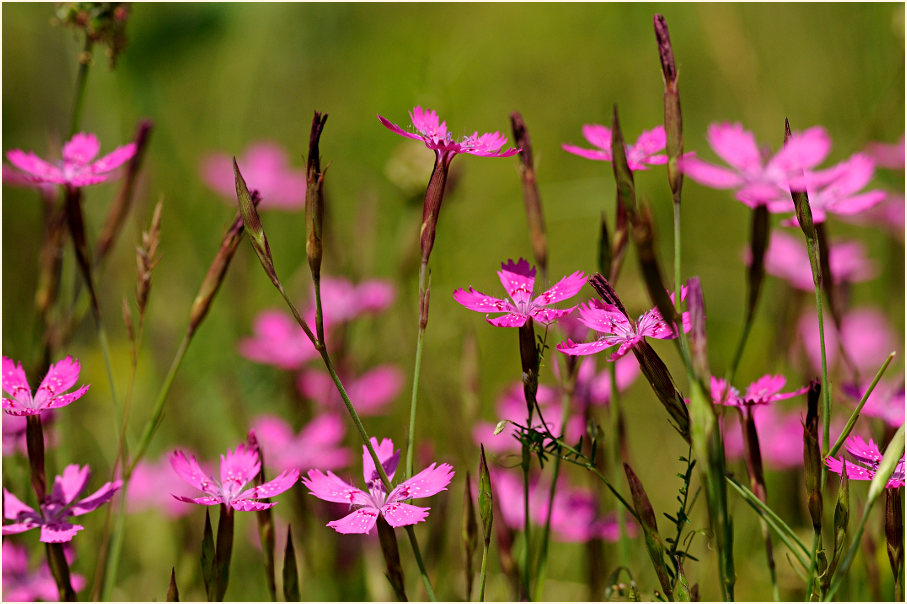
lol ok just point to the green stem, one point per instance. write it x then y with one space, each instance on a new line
483 571
524 466
81 80
417 369
623 547
851 552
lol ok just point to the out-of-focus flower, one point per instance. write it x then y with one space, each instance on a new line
14 432
888 214
342 300
887 155
278 341
370 393
756 179
780 438
58 506
434 134
787 258
518 279
151 486
640 155
865 334
22 585
867 457
593 388
51 394
886 401
78 168
763 391
368 505
618 329
266 169
237 468
318 444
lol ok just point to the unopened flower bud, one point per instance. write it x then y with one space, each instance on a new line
314 208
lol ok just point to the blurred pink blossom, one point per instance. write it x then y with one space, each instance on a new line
22 585
318 444
867 457
787 258
14 432
756 179
278 340
368 505
78 168
151 486
887 155
866 336
640 155
886 401
342 300
888 214
593 388
370 393
763 391
518 279
237 468
58 506
780 437
51 394
266 168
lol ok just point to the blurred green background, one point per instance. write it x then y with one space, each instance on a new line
215 78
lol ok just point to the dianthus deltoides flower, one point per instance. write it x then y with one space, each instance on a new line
867 457
237 468
518 279
763 391
58 506
23 585
266 169
78 168
640 155
368 505
51 394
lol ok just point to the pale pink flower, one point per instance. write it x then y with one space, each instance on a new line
51 394
318 444
518 279
278 340
887 155
620 330
342 300
780 438
640 155
266 169
886 401
368 505
58 506
866 335
867 457
23 585
151 486
763 391
78 168
888 214
237 468
434 134
370 393
756 179
787 257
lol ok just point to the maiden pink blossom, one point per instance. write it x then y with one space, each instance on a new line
518 279
237 468
151 486
780 437
886 401
787 258
763 391
277 340
78 168
368 505
52 516
867 457
23 585
51 394
266 169
865 335
371 392
887 155
640 155
318 445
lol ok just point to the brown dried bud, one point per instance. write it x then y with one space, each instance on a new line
812 458
531 192
673 117
314 207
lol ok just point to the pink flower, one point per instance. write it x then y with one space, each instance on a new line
867 457
643 152
151 486
51 394
887 155
763 391
438 139
865 334
370 393
620 330
342 300
237 468
266 168
787 258
278 340
77 168
755 179
367 506
593 388
518 280
21 585
318 444
58 505
888 214
886 401
780 438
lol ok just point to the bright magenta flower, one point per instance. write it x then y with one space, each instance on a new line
76 168
757 180
58 506
434 134
266 169
22 585
787 258
368 505
237 468
643 153
620 330
318 444
51 394
867 457
763 391
371 392
518 280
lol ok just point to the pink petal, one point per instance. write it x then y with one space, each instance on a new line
571 348
247 505
272 488
428 482
239 466
96 499
887 155
509 320
59 532
12 506
361 521
38 169
426 121
489 145
81 149
114 159
567 287
708 174
331 488
208 500
61 376
278 341
598 135
652 325
273 432
518 279
397 129
374 295
604 319
14 378
735 146
650 142
188 469
66 399
403 514
856 204
479 302
803 151
386 455
376 388
595 154
324 429
867 452
70 484
217 172
549 315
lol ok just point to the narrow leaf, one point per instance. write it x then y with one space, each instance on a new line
173 593
290 573
207 557
647 521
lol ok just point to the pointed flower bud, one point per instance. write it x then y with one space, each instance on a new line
314 209
812 458
673 118
253 226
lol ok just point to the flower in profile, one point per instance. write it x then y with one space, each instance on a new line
756 179
371 392
640 155
620 330
78 168
518 279
51 394
763 391
58 506
787 258
318 444
23 585
237 468
266 169
867 457
368 505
